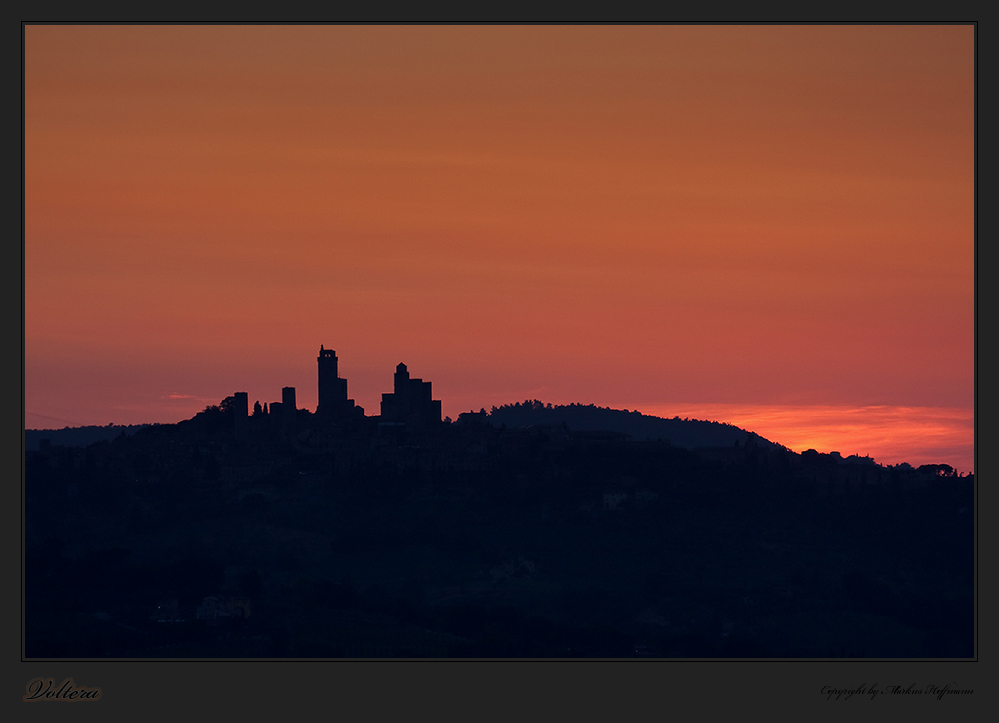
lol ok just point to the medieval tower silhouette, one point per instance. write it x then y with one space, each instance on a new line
333 401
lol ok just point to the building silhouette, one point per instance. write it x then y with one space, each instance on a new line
411 402
289 409
333 402
241 402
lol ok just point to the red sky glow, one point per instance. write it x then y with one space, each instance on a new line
727 218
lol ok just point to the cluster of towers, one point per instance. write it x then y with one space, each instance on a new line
284 412
411 401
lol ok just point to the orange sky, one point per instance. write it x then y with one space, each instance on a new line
617 215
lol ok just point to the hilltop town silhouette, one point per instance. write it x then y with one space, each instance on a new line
531 530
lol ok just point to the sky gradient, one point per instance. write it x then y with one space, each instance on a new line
639 217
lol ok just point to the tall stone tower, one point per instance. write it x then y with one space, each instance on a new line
289 409
241 408
333 402
329 383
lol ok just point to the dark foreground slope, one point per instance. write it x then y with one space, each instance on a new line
183 541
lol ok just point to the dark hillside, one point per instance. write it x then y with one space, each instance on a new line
686 433
77 436
305 539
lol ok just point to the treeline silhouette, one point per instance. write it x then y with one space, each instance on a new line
688 433
77 436
530 531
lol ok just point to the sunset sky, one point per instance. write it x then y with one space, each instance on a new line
724 218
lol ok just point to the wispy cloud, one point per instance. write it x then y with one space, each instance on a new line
177 396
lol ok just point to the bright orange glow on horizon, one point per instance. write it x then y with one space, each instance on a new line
889 435
680 215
